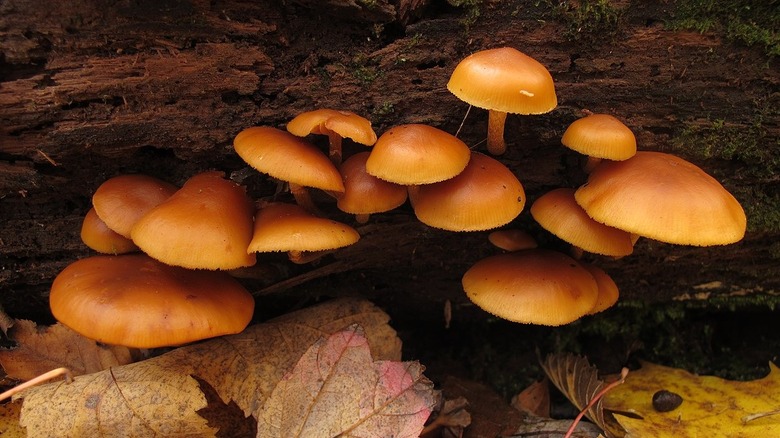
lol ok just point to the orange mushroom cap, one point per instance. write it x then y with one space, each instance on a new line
288 158
485 195
364 193
512 240
600 136
533 286
289 227
138 302
608 290
557 212
207 224
122 200
504 79
324 121
662 197
96 235
417 154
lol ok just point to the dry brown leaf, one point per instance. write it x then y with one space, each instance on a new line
9 420
6 322
337 389
40 349
534 400
242 368
538 427
578 380
451 420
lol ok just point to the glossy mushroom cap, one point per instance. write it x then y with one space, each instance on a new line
96 235
512 240
207 224
662 197
122 200
366 194
557 212
138 302
484 196
608 290
417 154
343 123
506 80
287 158
600 136
533 286
289 227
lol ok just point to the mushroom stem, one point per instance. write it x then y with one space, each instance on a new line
303 198
303 257
591 164
334 151
495 136
36 380
362 218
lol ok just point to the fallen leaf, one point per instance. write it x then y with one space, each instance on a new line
534 400
41 349
711 406
6 322
337 389
578 380
540 427
9 420
158 396
450 420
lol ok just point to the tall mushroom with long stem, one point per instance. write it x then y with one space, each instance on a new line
503 80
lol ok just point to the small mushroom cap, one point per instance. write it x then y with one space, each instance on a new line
512 240
608 290
506 80
364 193
662 197
417 154
600 136
289 227
288 158
122 200
344 123
207 224
96 235
484 196
533 286
138 302
557 212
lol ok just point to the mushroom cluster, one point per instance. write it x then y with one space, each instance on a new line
179 289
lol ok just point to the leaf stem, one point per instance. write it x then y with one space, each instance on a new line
594 400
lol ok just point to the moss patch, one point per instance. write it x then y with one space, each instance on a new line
751 22
588 19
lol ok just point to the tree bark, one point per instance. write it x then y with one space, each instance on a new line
93 89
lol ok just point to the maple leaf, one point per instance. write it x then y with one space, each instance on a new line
40 349
711 406
337 389
159 396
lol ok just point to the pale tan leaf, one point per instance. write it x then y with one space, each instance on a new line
242 368
40 349
9 420
337 389
578 380
151 398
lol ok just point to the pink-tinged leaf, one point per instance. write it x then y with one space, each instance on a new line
337 389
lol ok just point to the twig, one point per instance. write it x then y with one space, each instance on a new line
594 400
462 122
36 380
752 417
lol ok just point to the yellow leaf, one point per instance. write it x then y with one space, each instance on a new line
712 407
